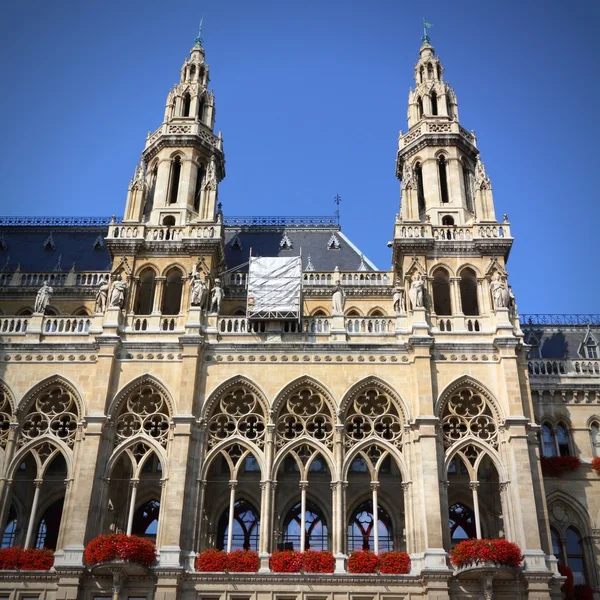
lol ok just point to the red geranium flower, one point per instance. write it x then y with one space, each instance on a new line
119 546
32 559
476 550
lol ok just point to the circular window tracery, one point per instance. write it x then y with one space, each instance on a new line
54 412
372 413
305 412
238 412
145 411
468 413
6 416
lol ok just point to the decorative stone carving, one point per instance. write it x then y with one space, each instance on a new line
42 298
211 175
137 182
408 176
216 297
198 290
399 301
482 181
338 299
500 294
102 297
416 291
118 292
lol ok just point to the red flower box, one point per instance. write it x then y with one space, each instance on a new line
211 560
314 561
363 561
474 551
242 561
394 563
286 561
596 464
554 466
583 592
119 546
32 559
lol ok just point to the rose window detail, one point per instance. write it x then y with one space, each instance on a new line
372 413
146 412
55 413
5 417
305 413
238 413
468 413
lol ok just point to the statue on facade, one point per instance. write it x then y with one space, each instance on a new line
338 299
102 296
416 291
399 300
211 174
216 297
500 294
198 290
117 293
42 298
138 180
407 176
482 181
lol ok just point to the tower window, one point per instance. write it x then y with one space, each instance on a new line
151 191
201 106
429 71
175 175
192 71
171 301
187 102
420 192
434 103
421 72
198 188
419 107
443 179
468 292
145 293
441 292
467 186
439 72
591 349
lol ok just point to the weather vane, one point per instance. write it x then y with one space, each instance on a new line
337 201
198 40
426 26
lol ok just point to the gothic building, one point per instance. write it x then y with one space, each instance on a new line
144 390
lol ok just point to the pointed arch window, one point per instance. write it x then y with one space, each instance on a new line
421 74
595 435
201 108
429 71
591 348
315 527
361 528
175 177
462 523
200 170
145 519
420 190
145 293
575 555
186 105
49 526
171 301
441 292
468 292
246 526
442 171
562 440
434 103
467 185
548 441
419 108
10 529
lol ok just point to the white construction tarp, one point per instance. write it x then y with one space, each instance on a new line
274 287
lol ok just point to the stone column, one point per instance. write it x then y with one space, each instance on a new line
481 304
374 486
158 294
456 299
32 513
267 500
474 485
134 486
5 483
232 487
303 487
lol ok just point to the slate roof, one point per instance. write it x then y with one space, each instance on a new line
560 342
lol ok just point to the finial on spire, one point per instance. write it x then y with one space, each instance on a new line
426 26
198 40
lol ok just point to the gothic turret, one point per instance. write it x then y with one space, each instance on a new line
443 179
182 162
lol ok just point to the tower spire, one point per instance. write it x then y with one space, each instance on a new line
198 40
425 39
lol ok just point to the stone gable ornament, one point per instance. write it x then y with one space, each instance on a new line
102 297
42 298
216 298
117 293
416 291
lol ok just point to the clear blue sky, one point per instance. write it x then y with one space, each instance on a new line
310 97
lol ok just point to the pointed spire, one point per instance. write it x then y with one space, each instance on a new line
198 40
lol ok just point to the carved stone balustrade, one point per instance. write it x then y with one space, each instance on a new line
564 368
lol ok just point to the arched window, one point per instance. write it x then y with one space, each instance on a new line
595 434
441 292
421 73
557 548
151 191
198 188
361 529
450 106
419 107
246 526
434 103
447 220
574 555
316 527
462 523
25 312
468 292
171 300
145 518
186 103
201 108
467 185
548 441
175 176
442 167
562 440
439 71
10 530
591 348
49 526
429 71
192 71
145 293
420 190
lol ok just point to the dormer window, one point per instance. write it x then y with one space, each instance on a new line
333 243
285 243
98 243
591 348
49 243
236 243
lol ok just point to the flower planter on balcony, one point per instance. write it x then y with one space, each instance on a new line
238 561
386 563
596 465
555 466
129 553
31 559
488 554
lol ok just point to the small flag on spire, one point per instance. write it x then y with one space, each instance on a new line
198 40
426 26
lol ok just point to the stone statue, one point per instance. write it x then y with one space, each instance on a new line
399 301
102 297
211 174
137 183
407 176
338 299
43 298
416 291
512 303
500 294
198 291
482 181
117 294
216 298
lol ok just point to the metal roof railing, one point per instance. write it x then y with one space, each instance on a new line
559 319
58 221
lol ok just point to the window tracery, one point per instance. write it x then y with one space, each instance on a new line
53 412
238 413
469 414
6 416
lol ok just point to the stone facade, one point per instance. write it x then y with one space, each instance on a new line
130 405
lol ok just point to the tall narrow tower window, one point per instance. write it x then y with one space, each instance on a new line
429 71
419 107
443 179
420 192
151 191
434 102
145 293
467 186
192 72
421 73
175 176
198 189
441 292
439 72
201 106
468 292
171 300
187 102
